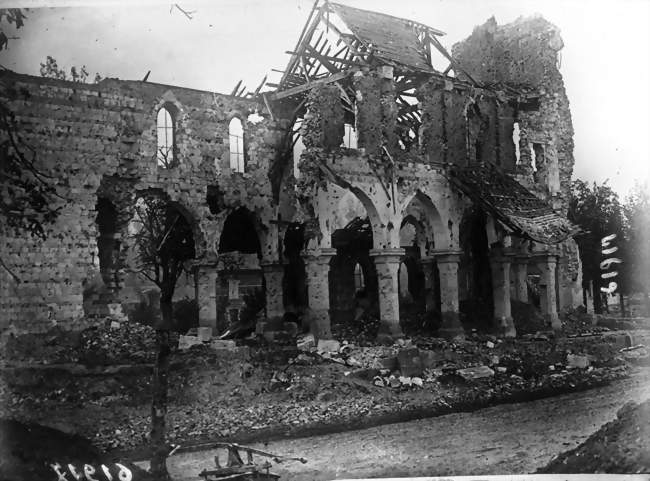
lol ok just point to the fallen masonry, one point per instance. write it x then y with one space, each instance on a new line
365 184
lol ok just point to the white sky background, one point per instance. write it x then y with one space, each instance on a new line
604 61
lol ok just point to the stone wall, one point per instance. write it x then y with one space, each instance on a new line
100 140
525 54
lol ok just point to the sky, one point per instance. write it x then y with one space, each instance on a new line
605 60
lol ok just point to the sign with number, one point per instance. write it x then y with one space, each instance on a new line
606 264
89 472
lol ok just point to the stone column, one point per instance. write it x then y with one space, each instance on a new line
273 276
500 267
447 261
387 262
548 299
429 283
317 265
521 276
206 295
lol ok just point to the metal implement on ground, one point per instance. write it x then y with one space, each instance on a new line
238 470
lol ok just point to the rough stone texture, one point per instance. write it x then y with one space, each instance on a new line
525 54
100 141
387 263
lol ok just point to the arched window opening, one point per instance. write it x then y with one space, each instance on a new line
516 136
236 141
359 281
350 138
165 128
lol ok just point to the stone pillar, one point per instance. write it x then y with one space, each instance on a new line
447 261
521 276
387 262
317 265
206 295
429 283
273 276
500 267
548 299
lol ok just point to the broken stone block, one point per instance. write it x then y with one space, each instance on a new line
204 334
352 362
185 342
574 361
115 325
490 344
478 372
223 345
409 362
385 363
417 381
367 374
306 342
501 369
328 345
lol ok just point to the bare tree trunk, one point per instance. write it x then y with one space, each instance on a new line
159 447
621 302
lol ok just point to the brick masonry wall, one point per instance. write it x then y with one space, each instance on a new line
102 139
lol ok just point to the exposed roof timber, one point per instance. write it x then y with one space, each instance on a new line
308 86
419 25
456 66
305 37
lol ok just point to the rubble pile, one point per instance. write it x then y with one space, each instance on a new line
620 446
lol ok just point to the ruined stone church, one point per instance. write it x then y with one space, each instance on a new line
364 173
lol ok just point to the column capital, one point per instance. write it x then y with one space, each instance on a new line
388 255
443 256
322 255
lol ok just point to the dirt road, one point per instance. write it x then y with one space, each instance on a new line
514 438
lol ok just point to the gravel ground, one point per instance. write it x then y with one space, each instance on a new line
504 439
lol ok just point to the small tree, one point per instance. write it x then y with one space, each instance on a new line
598 212
51 69
27 193
637 232
164 243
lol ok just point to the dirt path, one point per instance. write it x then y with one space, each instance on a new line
514 438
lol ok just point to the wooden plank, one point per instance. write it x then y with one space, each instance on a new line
268 106
259 87
234 91
306 28
457 66
308 86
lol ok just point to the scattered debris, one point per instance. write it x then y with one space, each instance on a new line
478 372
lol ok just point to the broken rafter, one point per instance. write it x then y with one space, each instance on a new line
305 37
234 91
456 65
259 87
308 86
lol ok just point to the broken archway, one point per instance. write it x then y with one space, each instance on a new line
240 285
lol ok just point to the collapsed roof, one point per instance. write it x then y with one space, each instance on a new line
338 40
512 204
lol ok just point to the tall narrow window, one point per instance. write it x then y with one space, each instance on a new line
236 140
359 281
516 137
350 137
165 124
